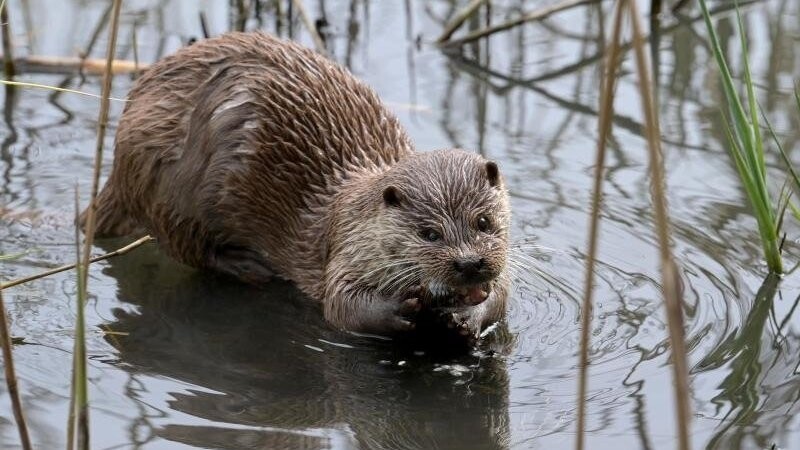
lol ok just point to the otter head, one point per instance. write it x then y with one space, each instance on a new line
449 216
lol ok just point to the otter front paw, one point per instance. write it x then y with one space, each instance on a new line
462 327
406 314
400 313
447 328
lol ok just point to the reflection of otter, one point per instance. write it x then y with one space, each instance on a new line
257 157
259 351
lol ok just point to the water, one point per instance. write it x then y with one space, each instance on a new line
181 360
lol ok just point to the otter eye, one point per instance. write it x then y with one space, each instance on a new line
484 224
430 235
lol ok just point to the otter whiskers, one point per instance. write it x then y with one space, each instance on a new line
400 279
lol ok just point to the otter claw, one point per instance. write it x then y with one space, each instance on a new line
404 325
404 315
463 329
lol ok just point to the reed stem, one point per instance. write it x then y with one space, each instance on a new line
604 131
669 277
8 45
11 377
80 378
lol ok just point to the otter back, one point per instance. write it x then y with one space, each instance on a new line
239 139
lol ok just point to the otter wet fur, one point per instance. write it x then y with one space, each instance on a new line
256 157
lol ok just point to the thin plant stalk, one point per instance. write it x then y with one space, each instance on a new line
54 88
11 377
459 20
64 268
604 125
539 14
135 45
203 25
746 146
102 123
8 46
319 44
669 277
80 375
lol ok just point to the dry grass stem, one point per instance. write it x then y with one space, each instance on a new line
55 88
459 20
539 14
669 276
117 252
204 25
102 123
11 377
604 125
79 328
319 44
97 31
81 394
135 44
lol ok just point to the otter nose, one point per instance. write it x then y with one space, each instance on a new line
469 266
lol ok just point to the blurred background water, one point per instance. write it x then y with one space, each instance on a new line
179 359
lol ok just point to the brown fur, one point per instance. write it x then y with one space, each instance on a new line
253 156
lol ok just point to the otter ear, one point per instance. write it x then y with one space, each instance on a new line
392 196
492 173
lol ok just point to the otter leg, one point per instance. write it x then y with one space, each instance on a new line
112 218
242 263
369 311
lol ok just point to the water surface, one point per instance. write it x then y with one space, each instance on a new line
180 359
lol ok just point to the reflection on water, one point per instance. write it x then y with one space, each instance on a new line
267 358
187 360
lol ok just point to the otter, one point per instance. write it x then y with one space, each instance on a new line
256 157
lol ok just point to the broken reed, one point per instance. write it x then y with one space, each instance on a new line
669 275
746 146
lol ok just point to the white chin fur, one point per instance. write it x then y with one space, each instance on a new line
438 289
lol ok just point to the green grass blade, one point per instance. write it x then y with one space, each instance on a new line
12 256
797 96
727 79
746 146
782 151
751 97
795 211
